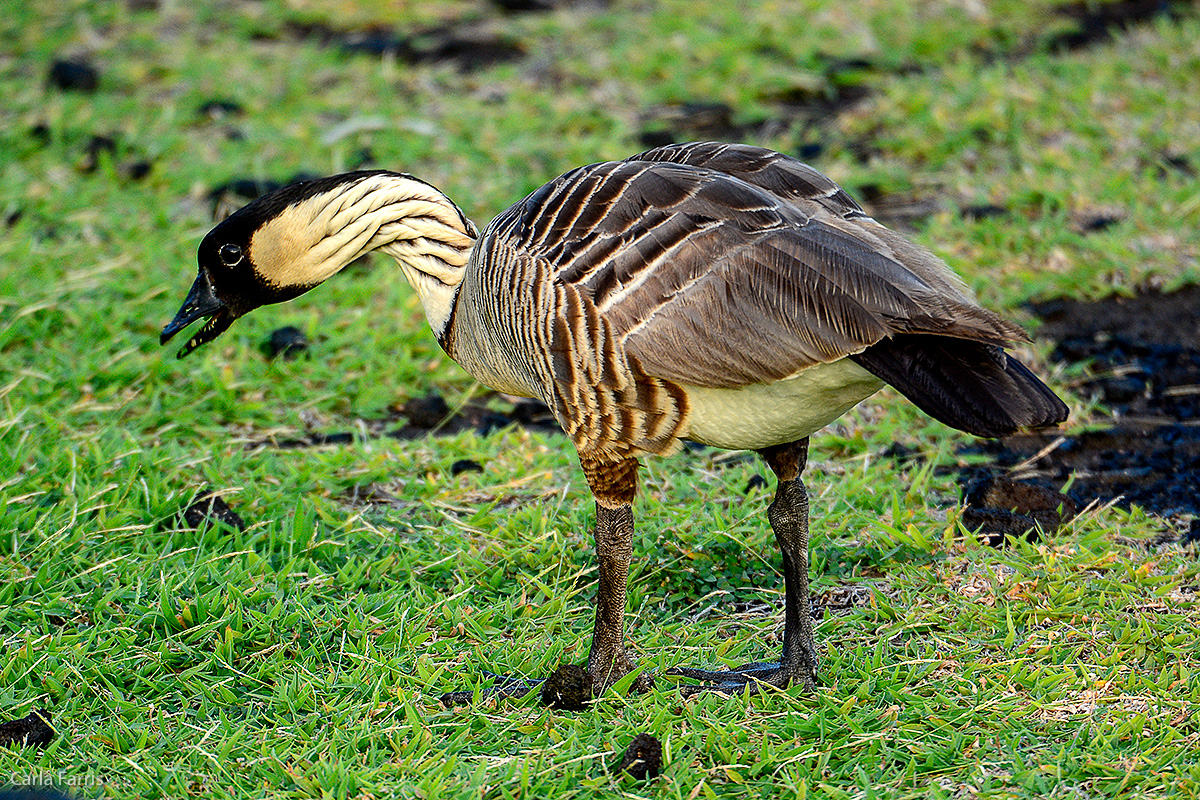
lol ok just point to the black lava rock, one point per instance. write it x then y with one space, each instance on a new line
524 6
74 76
137 170
993 526
656 138
33 730
40 133
643 758
810 151
219 109
755 482
998 507
1091 223
207 509
533 412
465 465
96 147
569 688
982 211
288 341
236 192
426 412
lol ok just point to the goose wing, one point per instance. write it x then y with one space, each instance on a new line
723 266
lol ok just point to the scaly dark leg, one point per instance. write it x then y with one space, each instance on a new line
608 659
614 485
788 514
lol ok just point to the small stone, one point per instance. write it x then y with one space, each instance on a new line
33 730
465 465
235 193
993 526
998 507
643 758
982 211
533 412
288 341
997 491
524 6
755 482
208 508
40 133
568 688
1122 388
137 170
219 109
97 146
74 76
901 452
810 151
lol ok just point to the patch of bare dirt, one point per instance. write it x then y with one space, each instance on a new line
1142 362
469 46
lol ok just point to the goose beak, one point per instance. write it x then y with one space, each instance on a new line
200 302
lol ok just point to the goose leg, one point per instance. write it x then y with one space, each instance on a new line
614 485
788 514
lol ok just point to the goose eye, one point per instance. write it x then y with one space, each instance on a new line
230 255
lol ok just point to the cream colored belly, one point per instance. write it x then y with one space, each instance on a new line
768 414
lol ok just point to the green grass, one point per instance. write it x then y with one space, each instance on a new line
302 657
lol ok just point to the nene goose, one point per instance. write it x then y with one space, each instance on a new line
720 293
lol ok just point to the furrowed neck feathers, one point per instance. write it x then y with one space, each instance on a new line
404 217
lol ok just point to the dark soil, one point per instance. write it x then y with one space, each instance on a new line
1142 357
465 45
1096 23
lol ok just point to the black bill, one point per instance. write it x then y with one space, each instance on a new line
200 302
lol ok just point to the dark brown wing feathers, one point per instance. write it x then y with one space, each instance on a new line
971 386
725 265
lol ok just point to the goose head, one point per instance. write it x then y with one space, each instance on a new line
268 251
287 242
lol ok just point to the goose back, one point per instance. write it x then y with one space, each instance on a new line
705 265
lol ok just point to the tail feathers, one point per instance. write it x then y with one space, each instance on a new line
968 385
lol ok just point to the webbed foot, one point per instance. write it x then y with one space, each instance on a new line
502 686
568 688
734 681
